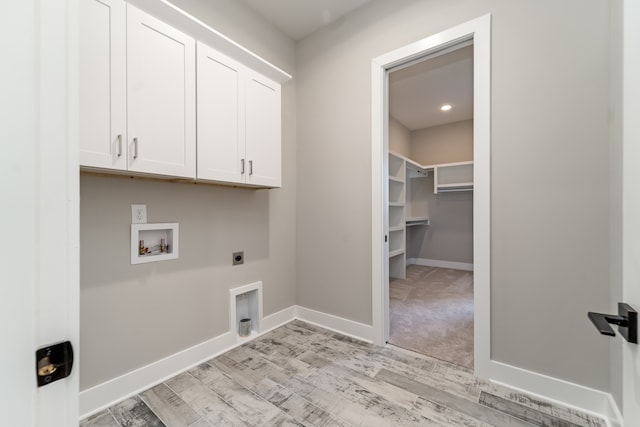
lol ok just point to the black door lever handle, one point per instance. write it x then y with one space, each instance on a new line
627 321
601 322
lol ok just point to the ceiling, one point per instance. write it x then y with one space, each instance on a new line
299 18
416 93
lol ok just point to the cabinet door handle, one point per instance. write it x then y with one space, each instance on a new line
119 145
135 147
242 167
250 167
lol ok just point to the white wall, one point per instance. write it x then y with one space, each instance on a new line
550 171
134 315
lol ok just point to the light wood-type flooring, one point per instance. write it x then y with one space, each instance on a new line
303 375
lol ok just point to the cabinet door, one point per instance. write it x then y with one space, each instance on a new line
160 97
220 117
263 131
102 90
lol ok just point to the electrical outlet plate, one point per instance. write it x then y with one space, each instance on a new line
238 258
138 214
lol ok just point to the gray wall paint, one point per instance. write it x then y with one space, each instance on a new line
448 143
399 138
550 171
449 236
134 315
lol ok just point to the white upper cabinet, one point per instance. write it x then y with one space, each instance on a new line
160 97
263 127
239 122
138 98
220 116
102 96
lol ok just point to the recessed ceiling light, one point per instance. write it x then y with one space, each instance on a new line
446 107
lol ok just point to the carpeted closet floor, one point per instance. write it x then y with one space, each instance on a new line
431 312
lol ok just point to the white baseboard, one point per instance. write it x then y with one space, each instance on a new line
338 324
615 420
104 395
442 264
110 392
278 319
557 391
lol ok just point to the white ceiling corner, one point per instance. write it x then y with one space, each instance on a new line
299 18
415 92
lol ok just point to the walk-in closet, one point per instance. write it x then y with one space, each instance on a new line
430 207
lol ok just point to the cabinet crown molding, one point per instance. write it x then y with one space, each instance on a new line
192 26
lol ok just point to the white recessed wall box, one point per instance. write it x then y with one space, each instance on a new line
154 242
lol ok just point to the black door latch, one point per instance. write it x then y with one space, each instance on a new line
54 362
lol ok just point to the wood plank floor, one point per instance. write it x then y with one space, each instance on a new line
303 375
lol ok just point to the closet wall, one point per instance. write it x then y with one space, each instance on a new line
399 138
448 143
449 236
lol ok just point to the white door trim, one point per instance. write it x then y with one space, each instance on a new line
631 202
57 295
40 216
478 30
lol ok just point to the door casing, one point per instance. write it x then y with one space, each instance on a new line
630 203
41 274
478 31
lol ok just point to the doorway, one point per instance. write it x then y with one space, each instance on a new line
430 192
477 34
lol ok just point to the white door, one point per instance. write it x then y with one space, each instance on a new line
221 149
103 105
631 204
161 97
39 195
263 131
